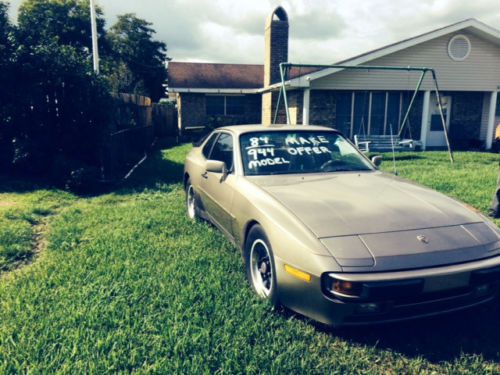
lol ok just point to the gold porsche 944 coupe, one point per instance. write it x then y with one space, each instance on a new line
326 234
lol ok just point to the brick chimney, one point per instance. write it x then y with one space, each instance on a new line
276 45
276 52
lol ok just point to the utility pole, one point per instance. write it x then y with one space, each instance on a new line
95 49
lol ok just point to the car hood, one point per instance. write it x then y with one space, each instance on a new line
380 222
345 204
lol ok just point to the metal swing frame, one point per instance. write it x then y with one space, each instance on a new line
285 68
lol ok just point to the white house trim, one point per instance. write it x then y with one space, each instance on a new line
450 47
424 130
305 107
385 111
491 119
370 113
352 115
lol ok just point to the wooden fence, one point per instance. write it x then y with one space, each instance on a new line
165 120
136 124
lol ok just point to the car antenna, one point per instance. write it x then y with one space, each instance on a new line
393 152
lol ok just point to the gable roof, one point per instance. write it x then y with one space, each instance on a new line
214 76
472 25
249 78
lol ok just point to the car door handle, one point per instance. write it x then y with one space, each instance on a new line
204 175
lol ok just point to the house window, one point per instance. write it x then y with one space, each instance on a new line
361 112
235 105
221 105
377 115
215 105
381 112
497 114
414 121
393 112
459 48
343 112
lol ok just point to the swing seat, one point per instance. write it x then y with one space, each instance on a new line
411 144
384 143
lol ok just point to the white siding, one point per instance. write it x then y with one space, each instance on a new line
479 72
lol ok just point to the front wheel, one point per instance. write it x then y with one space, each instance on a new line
191 201
259 264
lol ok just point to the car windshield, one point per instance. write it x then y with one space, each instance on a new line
288 152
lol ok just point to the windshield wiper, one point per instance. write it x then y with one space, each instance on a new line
344 170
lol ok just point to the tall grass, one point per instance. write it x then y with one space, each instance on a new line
127 283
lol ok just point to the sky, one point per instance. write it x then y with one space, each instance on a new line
321 31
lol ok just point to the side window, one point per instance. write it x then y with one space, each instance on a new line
223 150
208 146
215 105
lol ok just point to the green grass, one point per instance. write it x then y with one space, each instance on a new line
22 218
127 283
471 179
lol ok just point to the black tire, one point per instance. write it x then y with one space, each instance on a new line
191 209
260 272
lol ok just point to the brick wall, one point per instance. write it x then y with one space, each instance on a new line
295 104
276 51
322 107
270 101
192 112
276 46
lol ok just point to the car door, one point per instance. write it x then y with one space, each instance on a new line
197 160
217 188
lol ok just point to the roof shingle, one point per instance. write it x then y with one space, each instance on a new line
216 76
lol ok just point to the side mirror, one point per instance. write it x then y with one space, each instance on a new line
216 166
377 160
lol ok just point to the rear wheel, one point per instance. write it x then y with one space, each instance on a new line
191 201
259 264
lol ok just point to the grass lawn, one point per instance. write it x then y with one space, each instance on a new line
124 282
23 219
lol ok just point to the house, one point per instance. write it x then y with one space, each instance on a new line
465 56
215 94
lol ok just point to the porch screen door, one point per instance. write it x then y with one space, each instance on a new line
436 137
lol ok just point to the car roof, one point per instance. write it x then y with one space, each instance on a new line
240 129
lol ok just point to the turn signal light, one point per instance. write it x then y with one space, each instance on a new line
301 275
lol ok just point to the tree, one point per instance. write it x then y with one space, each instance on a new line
55 112
66 22
61 106
6 47
139 65
4 28
6 81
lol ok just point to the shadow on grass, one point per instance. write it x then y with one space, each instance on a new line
444 338
22 185
154 173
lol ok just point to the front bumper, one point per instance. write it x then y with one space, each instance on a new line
443 290
419 306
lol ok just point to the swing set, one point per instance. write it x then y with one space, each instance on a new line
285 72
